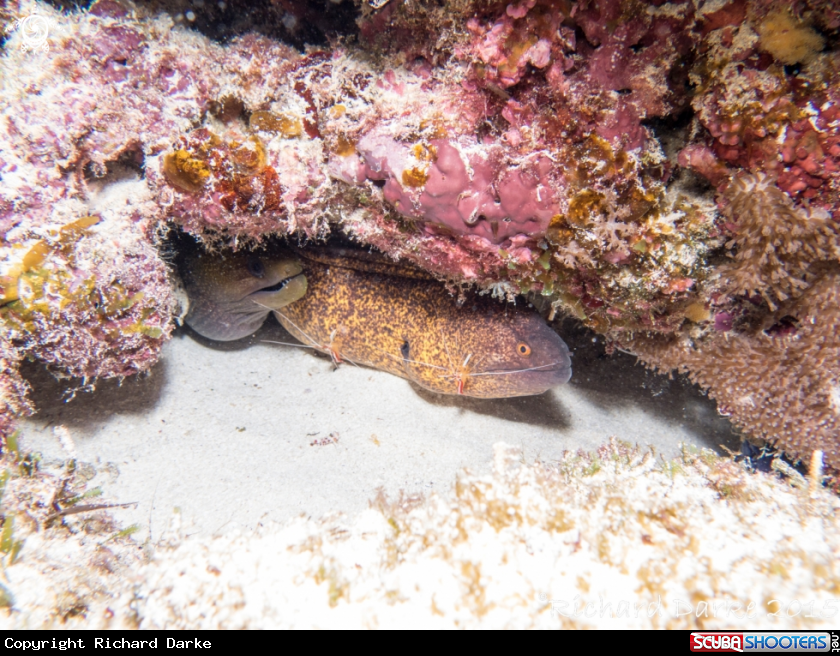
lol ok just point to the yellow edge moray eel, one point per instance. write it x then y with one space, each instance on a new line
370 311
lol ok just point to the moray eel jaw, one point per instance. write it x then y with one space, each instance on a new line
522 376
498 353
231 295
280 295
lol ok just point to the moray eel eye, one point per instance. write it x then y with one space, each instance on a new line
255 267
523 349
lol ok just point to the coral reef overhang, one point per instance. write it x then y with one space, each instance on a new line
667 173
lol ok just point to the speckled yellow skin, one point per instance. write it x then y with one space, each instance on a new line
397 320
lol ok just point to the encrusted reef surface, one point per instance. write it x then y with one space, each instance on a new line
666 172
610 539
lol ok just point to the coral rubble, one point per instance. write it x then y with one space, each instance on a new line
609 539
542 545
59 550
666 172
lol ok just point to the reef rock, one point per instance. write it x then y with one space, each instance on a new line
667 173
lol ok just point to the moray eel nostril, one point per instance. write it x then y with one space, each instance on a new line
232 294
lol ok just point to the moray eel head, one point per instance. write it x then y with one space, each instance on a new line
497 352
231 295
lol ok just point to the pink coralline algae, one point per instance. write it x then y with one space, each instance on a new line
603 154
779 121
461 192
508 46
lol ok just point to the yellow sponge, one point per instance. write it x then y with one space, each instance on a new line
788 39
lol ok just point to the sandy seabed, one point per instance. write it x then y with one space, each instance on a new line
267 489
239 433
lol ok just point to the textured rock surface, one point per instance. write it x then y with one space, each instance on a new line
609 539
586 152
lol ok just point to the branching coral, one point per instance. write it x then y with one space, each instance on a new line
779 248
779 385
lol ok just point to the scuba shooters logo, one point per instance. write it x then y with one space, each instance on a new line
788 641
717 642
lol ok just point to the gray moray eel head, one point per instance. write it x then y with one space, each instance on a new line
232 294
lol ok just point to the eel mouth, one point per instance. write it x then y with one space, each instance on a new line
282 293
562 369
280 285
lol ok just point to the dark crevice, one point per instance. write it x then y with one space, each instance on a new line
679 121
672 131
129 164
792 70
679 80
832 40
70 5
297 23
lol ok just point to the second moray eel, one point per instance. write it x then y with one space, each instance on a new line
230 295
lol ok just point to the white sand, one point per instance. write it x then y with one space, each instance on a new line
224 432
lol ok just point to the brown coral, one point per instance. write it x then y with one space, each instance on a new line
784 389
778 246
